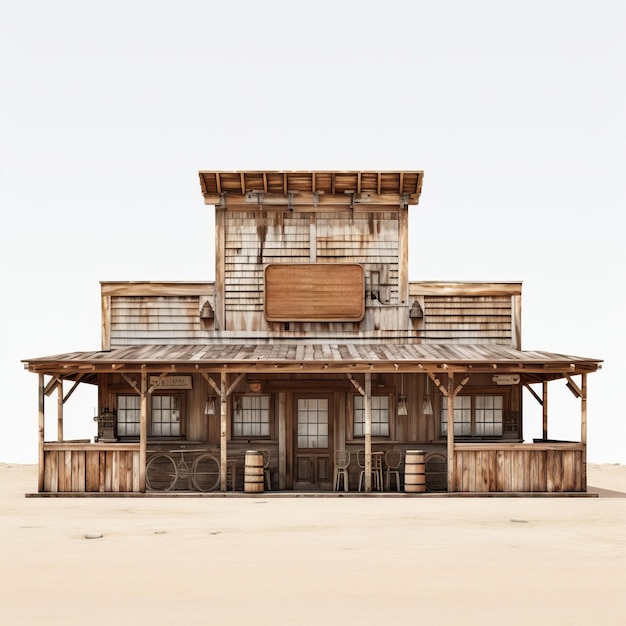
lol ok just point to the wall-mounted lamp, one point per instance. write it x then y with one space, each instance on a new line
415 312
207 312
255 386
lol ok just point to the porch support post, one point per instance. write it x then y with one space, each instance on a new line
41 428
545 409
223 422
583 411
143 431
583 429
450 395
60 410
367 401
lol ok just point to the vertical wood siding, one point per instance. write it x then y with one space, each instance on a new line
519 469
79 471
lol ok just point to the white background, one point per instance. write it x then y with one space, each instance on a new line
514 110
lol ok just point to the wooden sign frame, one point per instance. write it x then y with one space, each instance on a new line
314 292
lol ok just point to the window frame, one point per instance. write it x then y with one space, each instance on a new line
181 408
238 398
391 410
472 395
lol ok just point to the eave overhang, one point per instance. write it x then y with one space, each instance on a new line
314 358
311 190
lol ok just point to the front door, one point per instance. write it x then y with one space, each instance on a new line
313 442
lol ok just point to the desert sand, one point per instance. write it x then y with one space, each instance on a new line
267 560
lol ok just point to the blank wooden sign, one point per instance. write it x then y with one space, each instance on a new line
314 292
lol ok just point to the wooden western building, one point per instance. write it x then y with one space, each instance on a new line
312 345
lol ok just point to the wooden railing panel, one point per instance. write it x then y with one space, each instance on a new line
73 468
513 468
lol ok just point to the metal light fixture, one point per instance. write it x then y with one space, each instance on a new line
402 408
427 405
209 407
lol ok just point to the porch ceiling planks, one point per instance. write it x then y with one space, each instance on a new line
286 357
369 188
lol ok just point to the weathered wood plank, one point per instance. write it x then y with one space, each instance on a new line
92 470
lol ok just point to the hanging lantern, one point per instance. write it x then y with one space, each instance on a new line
402 408
209 407
427 405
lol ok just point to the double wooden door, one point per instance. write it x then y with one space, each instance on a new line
313 445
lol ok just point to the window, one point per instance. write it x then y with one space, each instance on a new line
313 423
165 417
128 416
474 416
251 417
380 416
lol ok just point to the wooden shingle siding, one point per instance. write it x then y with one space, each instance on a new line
467 319
371 239
252 241
154 319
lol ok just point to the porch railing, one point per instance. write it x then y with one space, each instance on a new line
90 467
518 467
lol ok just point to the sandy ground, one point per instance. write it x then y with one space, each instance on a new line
300 561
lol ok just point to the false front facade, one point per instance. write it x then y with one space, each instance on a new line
313 347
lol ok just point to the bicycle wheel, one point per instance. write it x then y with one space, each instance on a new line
206 473
161 472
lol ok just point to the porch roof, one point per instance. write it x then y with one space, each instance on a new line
314 357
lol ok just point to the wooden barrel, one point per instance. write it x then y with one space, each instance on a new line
414 472
253 474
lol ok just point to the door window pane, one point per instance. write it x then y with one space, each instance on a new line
313 423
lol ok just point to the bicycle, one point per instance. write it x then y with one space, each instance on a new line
163 471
